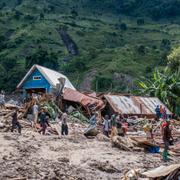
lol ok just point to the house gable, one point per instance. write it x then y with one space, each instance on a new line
49 80
36 80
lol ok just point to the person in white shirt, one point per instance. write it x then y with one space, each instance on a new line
35 111
2 100
106 125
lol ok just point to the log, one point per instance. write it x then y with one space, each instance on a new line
122 143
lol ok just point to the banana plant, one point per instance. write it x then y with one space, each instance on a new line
165 86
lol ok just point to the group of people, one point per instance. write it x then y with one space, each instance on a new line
166 129
112 125
40 120
43 117
117 125
161 112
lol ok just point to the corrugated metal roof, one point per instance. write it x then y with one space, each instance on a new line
162 171
51 76
85 100
134 104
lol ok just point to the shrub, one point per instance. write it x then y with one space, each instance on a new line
74 13
141 49
102 83
41 16
123 26
29 17
166 44
140 22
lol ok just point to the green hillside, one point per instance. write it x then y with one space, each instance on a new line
115 42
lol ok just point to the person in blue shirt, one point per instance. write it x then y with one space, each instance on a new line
93 119
158 112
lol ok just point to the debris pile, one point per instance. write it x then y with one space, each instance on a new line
71 113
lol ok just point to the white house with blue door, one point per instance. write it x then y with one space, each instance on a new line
42 79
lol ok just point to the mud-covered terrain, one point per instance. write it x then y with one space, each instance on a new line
33 156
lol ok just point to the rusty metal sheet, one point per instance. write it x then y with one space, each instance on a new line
122 104
85 100
149 104
134 104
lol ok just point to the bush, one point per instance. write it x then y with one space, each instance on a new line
8 63
43 58
149 69
19 2
77 64
74 13
174 60
17 15
123 26
166 44
141 49
102 84
29 17
41 16
140 22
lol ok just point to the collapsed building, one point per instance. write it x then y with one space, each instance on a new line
40 79
129 105
86 103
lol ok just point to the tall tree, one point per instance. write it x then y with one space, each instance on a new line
174 60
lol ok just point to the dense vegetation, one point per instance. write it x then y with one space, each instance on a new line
116 42
165 84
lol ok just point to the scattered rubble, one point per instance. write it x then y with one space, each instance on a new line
33 156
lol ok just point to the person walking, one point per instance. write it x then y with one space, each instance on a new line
106 125
15 122
167 136
93 120
158 113
44 121
2 100
164 115
113 126
64 126
161 111
35 110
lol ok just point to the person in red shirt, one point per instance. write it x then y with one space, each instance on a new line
166 136
161 111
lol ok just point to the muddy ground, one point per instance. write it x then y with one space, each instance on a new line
34 156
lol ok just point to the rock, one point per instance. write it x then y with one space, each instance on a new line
92 131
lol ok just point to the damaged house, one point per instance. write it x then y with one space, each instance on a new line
43 80
129 105
86 103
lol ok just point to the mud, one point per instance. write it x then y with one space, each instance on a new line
34 156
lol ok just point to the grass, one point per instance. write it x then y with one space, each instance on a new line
102 46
